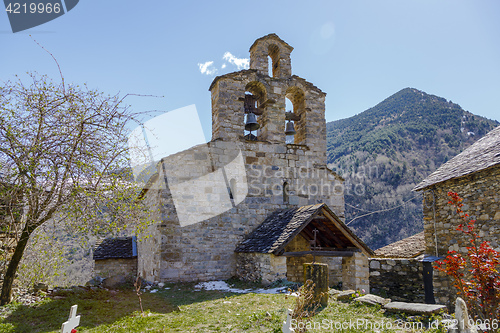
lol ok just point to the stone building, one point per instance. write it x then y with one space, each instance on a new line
475 175
210 197
116 257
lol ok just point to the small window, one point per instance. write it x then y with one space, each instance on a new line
251 122
232 188
269 66
274 60
285 192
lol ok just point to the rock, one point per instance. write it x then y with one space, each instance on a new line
115 281
462 317
94 282
334 292
345 295
372 300
40 287
415 308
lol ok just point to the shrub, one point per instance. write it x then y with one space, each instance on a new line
476 276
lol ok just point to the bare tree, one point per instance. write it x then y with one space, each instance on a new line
60 149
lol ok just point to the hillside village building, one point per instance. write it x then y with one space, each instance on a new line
261 223
404 270
475 175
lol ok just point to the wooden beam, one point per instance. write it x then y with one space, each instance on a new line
348 249
322 236
366 251
328 231
266 103
320 253
309 235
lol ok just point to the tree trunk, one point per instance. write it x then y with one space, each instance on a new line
10 274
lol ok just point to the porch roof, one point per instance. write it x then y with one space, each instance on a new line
279 228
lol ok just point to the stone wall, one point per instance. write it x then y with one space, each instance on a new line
481 198
110 267
398 279
260 267
356 273
203 250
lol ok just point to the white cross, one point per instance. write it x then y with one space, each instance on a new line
73 321
287 324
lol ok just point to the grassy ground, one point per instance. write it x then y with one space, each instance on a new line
180 309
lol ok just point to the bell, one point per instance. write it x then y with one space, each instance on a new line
289 129
251 124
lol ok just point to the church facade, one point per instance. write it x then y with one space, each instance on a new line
196 236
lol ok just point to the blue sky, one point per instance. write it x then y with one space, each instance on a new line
358 52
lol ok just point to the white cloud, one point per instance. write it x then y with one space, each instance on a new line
223 65
207 68
241 63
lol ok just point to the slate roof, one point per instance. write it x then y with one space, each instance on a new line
115 248
483 154
279 228
410 247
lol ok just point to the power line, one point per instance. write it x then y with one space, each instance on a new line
380 211
357 208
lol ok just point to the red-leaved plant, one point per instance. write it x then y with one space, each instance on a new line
476 276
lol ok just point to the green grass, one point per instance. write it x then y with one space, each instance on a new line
178 309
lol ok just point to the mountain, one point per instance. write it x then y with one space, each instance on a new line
386 150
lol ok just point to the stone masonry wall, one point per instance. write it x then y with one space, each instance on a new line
355 272
260 267
205 250
398 279
149 244
481 198
110 267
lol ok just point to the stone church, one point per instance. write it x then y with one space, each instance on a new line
281 208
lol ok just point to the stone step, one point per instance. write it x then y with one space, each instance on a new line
415 308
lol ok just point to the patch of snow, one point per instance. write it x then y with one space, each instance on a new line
278 290
161 284
223 286
154 291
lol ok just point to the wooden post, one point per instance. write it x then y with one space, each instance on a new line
318 274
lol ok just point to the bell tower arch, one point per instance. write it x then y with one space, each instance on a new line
266 92
275 48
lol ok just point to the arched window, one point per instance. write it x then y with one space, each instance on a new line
274 55
289 108
269 66
232 188
285 192
295 97
255 95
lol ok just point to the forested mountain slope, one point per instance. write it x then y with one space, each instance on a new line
386 150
